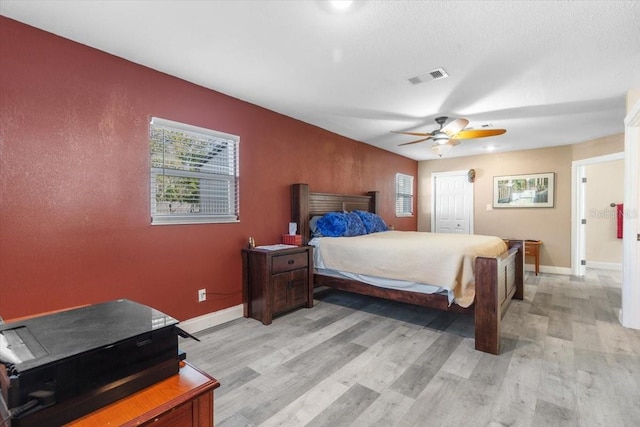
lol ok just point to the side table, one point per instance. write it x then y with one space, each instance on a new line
532 248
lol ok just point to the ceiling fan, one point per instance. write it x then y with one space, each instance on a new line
448 135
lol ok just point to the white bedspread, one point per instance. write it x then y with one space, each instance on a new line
444 260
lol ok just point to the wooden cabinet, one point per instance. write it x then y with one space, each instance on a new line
183 400
276 281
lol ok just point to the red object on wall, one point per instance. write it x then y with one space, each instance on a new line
74 202
620 218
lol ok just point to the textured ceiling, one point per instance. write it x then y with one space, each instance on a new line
550 72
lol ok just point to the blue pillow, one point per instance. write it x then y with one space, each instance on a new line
367 219
340 224
379 224
355 226
372 222
332 224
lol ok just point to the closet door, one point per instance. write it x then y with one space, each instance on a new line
453 203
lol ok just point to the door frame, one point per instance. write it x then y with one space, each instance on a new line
468 195
630 310
578 200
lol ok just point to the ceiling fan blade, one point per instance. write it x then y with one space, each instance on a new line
415 142
478 133
414 133
454 127
453 142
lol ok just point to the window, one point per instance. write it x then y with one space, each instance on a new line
404 195
194 174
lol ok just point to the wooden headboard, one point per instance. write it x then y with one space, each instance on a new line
305 205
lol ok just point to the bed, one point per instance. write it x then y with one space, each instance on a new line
498 279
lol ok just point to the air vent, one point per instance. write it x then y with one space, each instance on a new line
438 73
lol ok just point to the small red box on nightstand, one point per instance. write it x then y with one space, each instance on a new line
292 239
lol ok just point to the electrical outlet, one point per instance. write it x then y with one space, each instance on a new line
202 295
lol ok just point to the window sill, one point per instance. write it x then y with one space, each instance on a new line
189 221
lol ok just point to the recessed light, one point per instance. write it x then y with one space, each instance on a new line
340 4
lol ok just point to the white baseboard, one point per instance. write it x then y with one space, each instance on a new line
200 323
551 269
605 265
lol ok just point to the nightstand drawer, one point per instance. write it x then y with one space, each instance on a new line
531 247
282 263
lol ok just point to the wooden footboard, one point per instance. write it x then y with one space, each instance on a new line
498 280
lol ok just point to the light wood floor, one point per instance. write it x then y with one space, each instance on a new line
360 361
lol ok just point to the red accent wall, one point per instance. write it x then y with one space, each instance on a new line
74 190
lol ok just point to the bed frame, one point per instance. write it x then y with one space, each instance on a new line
498 279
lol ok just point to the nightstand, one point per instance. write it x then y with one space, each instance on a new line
532 248
277 281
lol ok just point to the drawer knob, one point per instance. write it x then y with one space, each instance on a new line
290 262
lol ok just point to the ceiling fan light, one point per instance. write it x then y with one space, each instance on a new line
440 149
441 139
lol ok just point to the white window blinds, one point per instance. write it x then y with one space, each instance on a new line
404 195
194 174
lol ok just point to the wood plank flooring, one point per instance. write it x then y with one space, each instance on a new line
361 361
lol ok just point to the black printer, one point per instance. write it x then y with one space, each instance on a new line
57 367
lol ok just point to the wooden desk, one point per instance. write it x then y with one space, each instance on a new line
185 399
532 248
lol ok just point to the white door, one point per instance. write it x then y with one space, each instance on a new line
630 314
580 212
452 203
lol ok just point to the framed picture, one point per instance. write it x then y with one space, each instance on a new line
524 191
